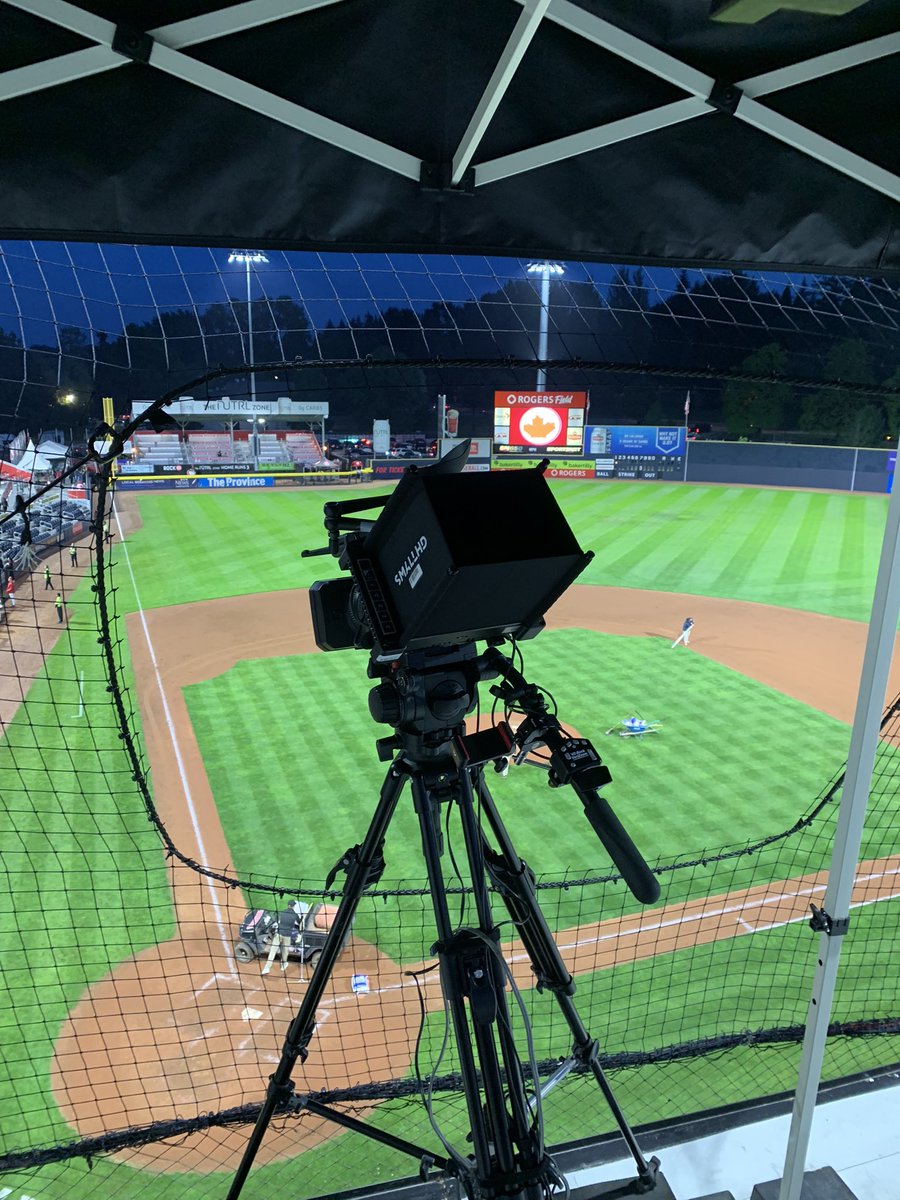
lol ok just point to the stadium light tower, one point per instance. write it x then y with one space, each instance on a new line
247 257
546 270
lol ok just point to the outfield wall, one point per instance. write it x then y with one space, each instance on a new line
842 468
832 468
241 481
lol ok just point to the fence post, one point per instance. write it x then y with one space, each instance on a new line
847 839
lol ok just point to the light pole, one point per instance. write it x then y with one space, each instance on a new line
252 440
247 257
545 270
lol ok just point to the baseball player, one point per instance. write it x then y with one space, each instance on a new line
685 635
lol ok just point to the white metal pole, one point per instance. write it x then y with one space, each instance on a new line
848 836
853 472
545 323
250 335
687 411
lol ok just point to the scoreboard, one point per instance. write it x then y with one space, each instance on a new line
636 451
545 424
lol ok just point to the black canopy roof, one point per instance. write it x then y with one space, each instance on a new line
742 132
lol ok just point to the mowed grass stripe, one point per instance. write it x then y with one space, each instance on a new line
759 538
705 540
853 549
803 542
672 526
696 561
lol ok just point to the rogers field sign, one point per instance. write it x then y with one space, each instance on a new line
553 399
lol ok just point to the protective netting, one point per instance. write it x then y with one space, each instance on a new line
138 1030
81 321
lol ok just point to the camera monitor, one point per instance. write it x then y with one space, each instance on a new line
455 558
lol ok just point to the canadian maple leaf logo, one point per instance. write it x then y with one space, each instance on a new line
539 429
541 426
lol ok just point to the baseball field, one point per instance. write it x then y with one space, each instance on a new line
124 1004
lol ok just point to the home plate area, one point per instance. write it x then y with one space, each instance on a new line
170 1034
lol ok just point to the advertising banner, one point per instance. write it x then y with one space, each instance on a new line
381 437
645 440
249 481
575 468
198 468
123 484
223 407
562 470
539 423
393 468
479 448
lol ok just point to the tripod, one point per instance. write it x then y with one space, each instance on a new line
425 696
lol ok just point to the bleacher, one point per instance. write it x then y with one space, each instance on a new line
205 447
272 449
159 449
302 446
218 446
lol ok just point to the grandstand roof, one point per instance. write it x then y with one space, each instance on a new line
704 132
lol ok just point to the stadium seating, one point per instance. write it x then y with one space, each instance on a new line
159 449
272 449
210 447
302 446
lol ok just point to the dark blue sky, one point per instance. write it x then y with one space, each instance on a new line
48 285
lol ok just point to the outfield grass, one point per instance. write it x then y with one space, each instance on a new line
808 550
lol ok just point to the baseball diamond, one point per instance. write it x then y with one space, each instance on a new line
241 720
199 641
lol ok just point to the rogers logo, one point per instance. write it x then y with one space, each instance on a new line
514 398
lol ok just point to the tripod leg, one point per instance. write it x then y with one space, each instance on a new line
516 884
509 1158
301 1028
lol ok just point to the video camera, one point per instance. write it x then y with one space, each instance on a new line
452 558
